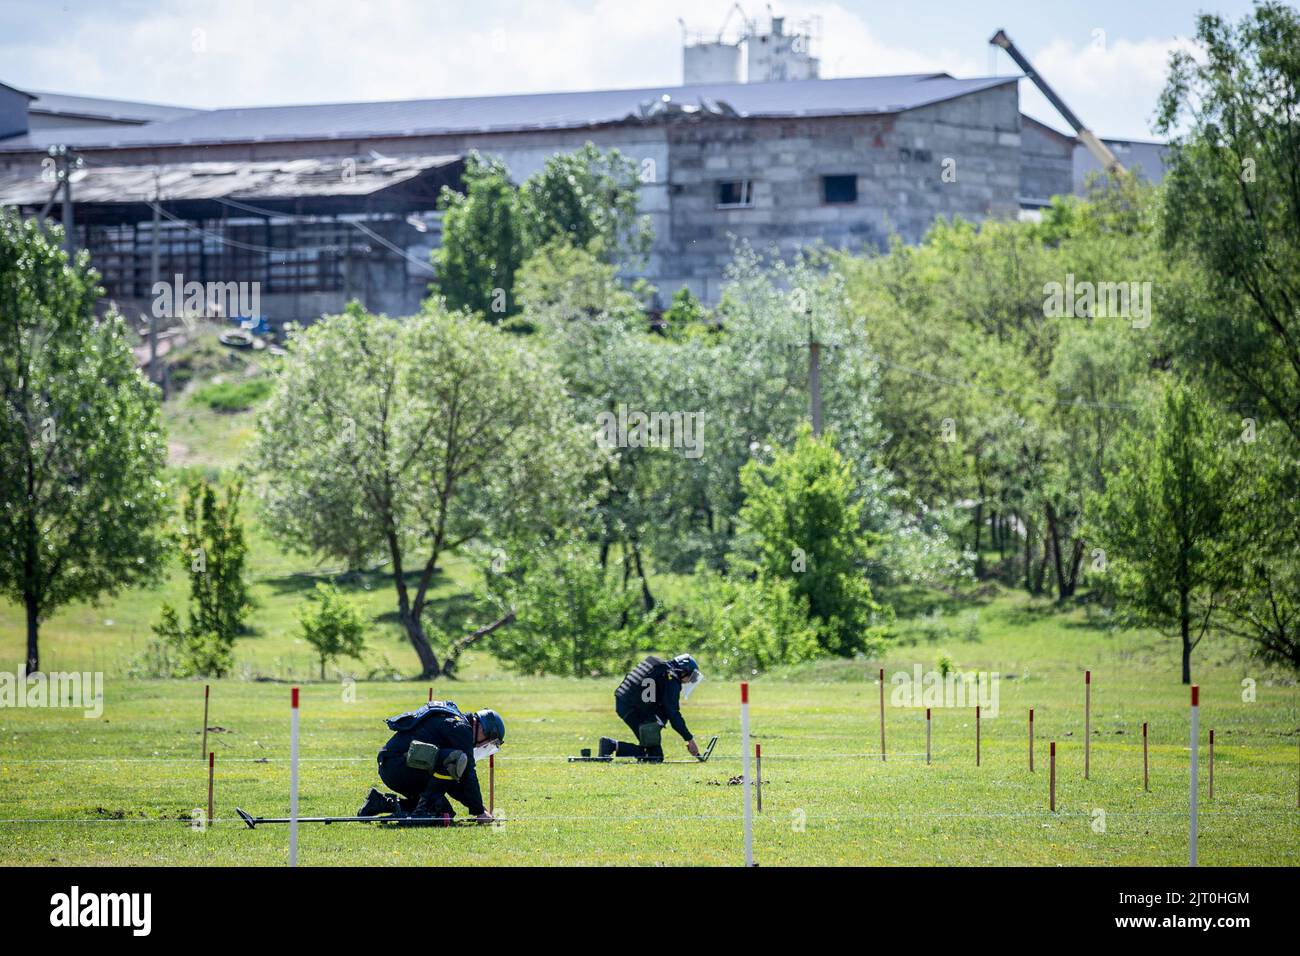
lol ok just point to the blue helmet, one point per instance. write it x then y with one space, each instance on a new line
684 665
494 728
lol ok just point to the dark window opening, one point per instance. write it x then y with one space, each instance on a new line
736 192
839 189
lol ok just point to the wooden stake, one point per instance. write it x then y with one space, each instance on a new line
1087 723
1031 740
758 776
882 715
1052 785
206 689
1146 768
927 736
1193 777
430 695
212 763
977 735
1211 763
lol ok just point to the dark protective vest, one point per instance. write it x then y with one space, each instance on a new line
414 718
628 696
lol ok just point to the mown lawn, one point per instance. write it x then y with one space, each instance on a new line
823 801
120 789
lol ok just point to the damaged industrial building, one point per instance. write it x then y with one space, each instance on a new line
321 204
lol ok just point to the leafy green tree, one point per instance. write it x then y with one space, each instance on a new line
588 199
685 317
998 412
803 526
1161 519
1232 204
574 615
1263 534
750 626
444 431
82 501
333 625
483 242
213 553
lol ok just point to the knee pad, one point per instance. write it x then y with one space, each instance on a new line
650 734
451 765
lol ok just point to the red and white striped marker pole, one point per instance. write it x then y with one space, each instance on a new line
492 784
758 776
1211 763
744 750
1031 740
1146 768
927 736
1196 736
882 715
206 689
293 782
1087 723
1052 786
977 735
212 764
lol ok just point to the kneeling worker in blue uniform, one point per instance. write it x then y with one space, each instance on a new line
431 757
649 699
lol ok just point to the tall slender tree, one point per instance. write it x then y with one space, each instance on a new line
82 501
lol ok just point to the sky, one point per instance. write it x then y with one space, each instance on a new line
1106 58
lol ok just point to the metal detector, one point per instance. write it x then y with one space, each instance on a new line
704 756
251 821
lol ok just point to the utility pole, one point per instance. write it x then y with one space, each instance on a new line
66 161
814 377
153 280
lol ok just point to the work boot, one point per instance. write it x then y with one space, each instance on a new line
607 747
378 804
427 815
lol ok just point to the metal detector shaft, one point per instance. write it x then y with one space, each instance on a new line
251 821
700 759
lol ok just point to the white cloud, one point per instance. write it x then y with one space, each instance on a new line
1112 87
255 52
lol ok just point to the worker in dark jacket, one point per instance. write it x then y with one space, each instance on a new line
430 757
648 699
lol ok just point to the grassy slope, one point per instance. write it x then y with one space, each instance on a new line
141 762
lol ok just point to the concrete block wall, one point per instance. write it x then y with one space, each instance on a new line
1046 163
899 161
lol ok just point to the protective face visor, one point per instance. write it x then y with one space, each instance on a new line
486 749
689 684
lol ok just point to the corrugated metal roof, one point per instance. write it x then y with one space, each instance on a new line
265 180
485 114
95 107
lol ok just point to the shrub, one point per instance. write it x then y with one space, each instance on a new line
333 625
761 624
234 396
803 526
573 615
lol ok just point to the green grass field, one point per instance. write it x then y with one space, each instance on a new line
120 789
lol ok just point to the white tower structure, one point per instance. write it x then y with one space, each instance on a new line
748 54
